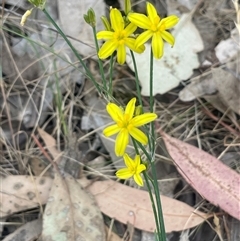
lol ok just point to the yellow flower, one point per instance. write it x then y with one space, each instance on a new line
155 28
127 125
133 169
118 39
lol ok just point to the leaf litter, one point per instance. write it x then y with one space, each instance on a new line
185 121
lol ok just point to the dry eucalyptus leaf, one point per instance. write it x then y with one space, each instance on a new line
20 193
74 211
131 205
50 143
71 17
27 232
177 63
215 181
118 201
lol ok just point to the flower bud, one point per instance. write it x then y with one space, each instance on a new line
90 17
106 23
128 6
38 3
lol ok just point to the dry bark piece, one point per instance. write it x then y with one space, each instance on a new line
215 181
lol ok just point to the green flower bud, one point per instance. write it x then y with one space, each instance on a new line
106 23
90 17
138 110
38 3
128 6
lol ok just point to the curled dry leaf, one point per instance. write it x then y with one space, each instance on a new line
220 87
215 181
74 211
129 205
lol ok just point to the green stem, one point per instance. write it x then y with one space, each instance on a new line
137 80
89 74
151 82
153 203
151 103
147 178
162 234
111 76
100 64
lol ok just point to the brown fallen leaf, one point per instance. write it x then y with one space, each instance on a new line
118 201
27 232
50 144
131 205
73 210
20 193
215 181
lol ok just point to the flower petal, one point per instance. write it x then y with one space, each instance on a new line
169 21
105 35
107 49
138 179
115 112
141 168
141 20
121 142
143 119
157 45
111 130
168 37
116 19
131 43
138 135
130 29
137 160
121 54
152 13
129 111
143 38
129 162
124 173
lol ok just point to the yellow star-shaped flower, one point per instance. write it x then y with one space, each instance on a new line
133 169
118 39
127 124
155 28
